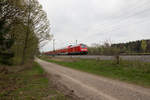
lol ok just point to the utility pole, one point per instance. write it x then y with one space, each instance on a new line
53 48
53 44
76 42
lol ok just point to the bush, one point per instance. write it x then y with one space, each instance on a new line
6 58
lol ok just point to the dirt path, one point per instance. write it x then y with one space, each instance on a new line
92 87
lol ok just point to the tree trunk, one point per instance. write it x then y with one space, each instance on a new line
26 38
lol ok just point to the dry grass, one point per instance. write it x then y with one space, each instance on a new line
28 82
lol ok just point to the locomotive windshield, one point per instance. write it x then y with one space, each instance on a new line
83 46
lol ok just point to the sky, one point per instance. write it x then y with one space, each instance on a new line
96 21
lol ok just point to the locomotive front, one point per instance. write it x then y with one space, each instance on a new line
83 49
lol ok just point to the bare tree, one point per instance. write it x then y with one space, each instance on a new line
37 23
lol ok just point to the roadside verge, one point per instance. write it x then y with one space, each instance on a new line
28 82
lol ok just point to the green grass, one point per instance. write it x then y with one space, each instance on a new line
129 71
29 84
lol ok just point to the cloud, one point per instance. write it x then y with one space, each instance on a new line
92 21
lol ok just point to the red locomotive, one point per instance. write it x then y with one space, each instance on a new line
80 49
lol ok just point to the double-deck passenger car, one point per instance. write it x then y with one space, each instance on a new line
80 49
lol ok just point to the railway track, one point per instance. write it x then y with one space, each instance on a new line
143 58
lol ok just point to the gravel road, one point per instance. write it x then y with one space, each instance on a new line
92 87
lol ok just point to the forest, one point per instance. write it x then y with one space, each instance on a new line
133 47
24 28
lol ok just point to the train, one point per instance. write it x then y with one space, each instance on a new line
80 49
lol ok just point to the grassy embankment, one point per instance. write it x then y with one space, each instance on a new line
129 71
26 83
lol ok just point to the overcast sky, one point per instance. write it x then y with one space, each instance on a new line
95 21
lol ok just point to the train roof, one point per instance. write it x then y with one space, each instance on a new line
75 45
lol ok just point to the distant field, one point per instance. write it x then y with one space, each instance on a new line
27 83
129 71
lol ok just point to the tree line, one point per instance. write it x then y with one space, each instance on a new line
24 28
134 47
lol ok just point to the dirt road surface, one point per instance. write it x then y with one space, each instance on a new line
92 87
